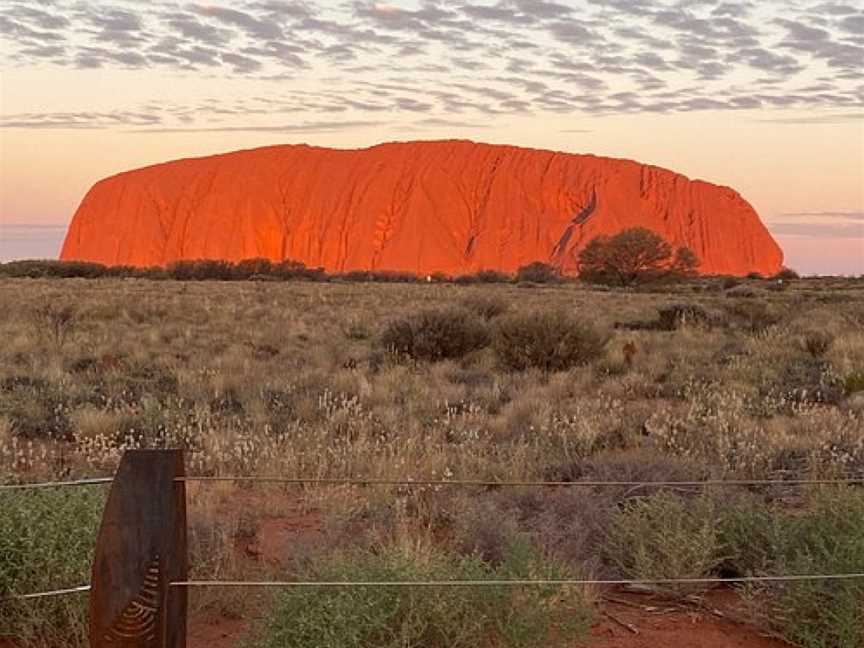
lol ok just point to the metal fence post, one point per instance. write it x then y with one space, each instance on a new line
141 549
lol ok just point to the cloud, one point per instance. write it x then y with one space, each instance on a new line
78 120
436 122
831 118
820 224
815 230
843 215
257 28
241 63
470 57
306 127
191 28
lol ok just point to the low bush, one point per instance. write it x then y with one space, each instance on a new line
672 536
379 276
752 533
295 270
249 268
826 537
787 274
201 270
425 617
435 335
730 282
671 318
817 343
743 291
484 276
55 322
563 523
486 306
752 316
46 542
37 269
666 536
35 409
537 272
552 340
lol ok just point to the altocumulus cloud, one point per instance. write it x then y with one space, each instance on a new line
457 59
823 224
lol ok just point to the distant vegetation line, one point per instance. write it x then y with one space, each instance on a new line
633 256
265 270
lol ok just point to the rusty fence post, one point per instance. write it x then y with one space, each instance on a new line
141 549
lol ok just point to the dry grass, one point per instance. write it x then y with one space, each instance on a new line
292 379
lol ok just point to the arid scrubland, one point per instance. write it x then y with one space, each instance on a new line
709 379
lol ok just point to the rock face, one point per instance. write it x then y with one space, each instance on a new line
452 206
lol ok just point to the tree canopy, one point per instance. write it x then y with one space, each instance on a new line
634 255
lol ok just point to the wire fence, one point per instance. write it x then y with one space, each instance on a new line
579 582
522 583
81 589
410 483
56 484
353 481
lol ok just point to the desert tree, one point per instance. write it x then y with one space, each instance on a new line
633 255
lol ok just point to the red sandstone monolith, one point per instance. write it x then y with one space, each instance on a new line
424 207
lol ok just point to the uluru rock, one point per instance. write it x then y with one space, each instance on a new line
452 206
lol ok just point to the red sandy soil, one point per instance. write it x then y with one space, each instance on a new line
422 207
661 625
658 623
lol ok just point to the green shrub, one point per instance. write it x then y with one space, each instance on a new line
752 534
826 538
548 340
426 617
666 536
435 335
46 542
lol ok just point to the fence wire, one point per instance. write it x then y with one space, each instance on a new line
314 481
58 484
359 481
409 483
518 583
43 595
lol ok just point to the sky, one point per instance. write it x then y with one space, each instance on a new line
764 96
